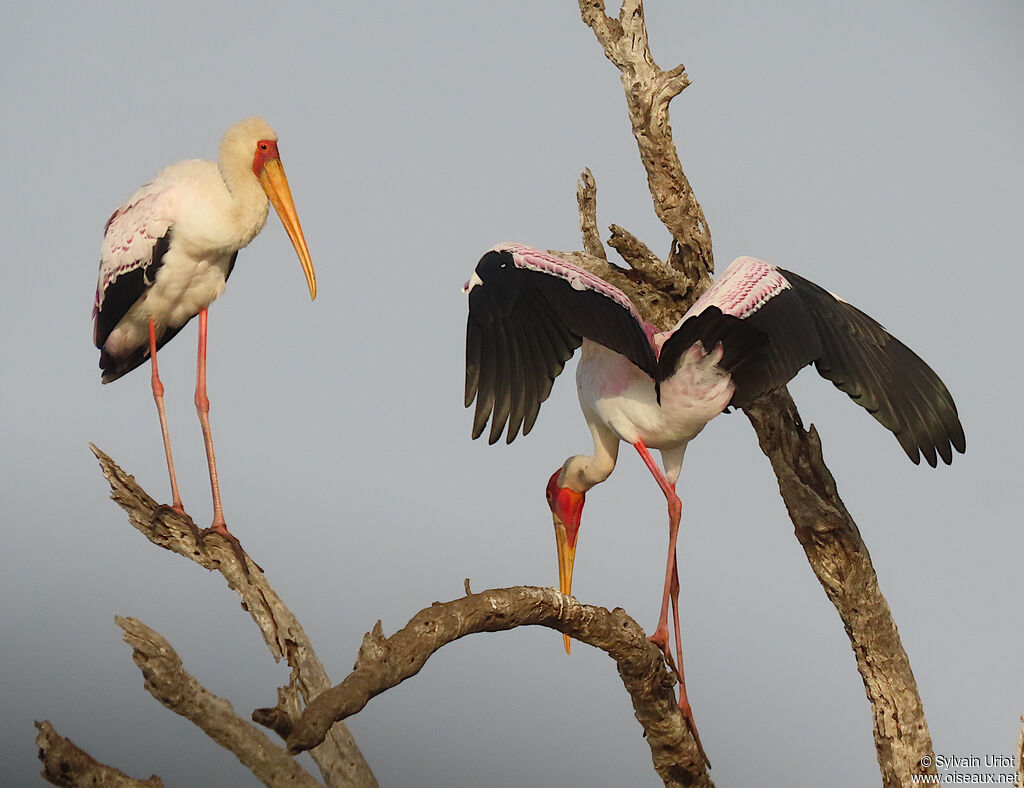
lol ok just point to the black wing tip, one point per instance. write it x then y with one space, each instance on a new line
933 451
885 377
113 368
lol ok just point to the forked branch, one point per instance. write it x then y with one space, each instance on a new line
338 758
648 93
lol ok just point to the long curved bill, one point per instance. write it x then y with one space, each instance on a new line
566 558
275 184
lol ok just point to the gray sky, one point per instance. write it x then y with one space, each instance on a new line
874 148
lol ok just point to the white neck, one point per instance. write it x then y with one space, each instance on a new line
249 203
580 473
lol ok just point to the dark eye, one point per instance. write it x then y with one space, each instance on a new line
548 494
263 146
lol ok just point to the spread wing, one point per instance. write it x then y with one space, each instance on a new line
806 324
528 312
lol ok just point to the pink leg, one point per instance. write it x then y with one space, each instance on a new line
671 594
203 407
158 395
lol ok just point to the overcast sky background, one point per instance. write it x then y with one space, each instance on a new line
873 147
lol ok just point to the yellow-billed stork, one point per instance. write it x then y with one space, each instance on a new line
167 254
749 334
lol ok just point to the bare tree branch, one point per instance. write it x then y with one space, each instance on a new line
385 662
586 199
169 682
648 93
339 759
826 531
66 765
840 559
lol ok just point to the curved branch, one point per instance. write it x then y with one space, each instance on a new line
339 759
385 662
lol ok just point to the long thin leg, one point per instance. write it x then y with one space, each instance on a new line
671 594
203 407
158 395
675 508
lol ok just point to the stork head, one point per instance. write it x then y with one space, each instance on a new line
252 142
566 510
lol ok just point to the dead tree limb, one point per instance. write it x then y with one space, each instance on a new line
385 662
168 681
648 93
840 559
66 765
829 536
338 758
586 199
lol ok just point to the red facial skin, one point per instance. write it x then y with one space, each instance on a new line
566 511
266 150
567 506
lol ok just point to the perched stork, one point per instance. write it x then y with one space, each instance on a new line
167 254
749 334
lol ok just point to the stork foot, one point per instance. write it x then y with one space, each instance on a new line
236 546
162 509
660 639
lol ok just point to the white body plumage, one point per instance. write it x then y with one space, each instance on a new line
207 224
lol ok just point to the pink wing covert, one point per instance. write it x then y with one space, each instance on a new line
131 234
579 278
746 286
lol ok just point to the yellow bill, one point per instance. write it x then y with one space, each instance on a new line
566 558
275 184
